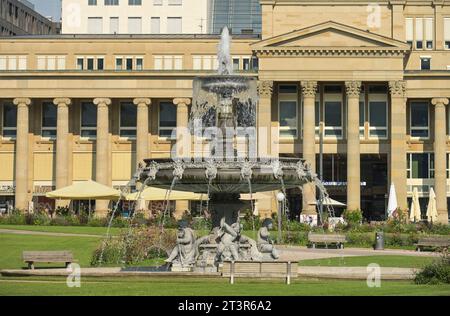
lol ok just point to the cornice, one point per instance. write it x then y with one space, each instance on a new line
332 51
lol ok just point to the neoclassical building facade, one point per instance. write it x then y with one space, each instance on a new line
373 80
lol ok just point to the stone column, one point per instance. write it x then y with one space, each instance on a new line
264 117
440 158
22 154
309 90
398 141
62 153
142 148
353 147
102 151
184 141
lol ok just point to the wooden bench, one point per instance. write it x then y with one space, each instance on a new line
258 269
31 257
332 239
439 243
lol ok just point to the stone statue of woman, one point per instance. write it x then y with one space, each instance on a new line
265 242
185 251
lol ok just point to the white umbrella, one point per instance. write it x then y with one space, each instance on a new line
432 214
415 214
392 204
329 202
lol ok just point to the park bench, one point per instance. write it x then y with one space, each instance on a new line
327 239
31 257
258 269
440 243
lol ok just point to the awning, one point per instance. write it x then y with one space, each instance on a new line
87 190
257 196
156 194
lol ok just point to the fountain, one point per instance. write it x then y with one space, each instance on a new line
226 103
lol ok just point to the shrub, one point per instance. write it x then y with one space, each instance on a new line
435 272
353 217
134 246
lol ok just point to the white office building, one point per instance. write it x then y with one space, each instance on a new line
134 16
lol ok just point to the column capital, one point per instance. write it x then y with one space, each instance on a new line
309 89
22 101
398 88
62 101
265 88
182 101
142 101
439 101
102 101
353 88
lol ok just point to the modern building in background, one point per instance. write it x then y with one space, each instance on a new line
19 18
241 16
134 16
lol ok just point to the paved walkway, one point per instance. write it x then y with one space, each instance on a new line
31 232
296 253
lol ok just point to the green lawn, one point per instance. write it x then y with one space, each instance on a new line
383 261
211 287
64 229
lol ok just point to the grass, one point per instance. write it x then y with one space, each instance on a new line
364 261
211 287
64 229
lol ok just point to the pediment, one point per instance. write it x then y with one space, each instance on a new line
331 35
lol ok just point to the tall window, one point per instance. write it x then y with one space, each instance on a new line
128 119
168 62
419 119
174 25
420 166
119 62
420 31
333 111
288 111
362 113
447 33
134 25
425 63
111 2
318 114
95 25
88 120
49 117
134 2
378 101
9 120
114 25
167 119
155 25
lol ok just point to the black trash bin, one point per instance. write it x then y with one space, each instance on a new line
379 241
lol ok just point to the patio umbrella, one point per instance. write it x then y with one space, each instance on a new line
87 190
415 214
432 214
156 194
392 204
329 202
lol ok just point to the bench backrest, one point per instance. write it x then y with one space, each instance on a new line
326 238
257 267
441 241
50 256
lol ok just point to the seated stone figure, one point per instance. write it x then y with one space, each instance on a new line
265 243
185 251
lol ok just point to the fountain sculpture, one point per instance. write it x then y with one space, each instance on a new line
225 103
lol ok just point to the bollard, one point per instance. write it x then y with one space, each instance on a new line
288 277
232 272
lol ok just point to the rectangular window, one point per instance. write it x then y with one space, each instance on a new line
114 25
9 120
425 63
288 119
61 62
100 63
12 63
447 33
23 63
80 63
3 63
429 31
197 62
236 64
158 62
362 113
246 63
134 25
155 25
134 2
419 33
420 166
119 62
49 117
168 62
90 63
378 112
88 120
111 2
95 25
129 63
333 111
92 2
317 114
128 120
167 119
409 25
178 62
174 25
51 62
419 119
139 63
